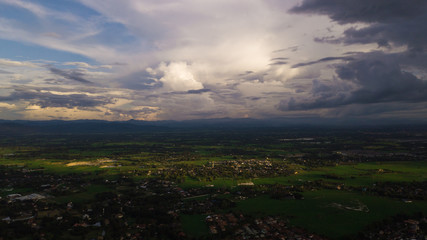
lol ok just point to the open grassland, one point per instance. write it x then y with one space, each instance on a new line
332 213
194 225
86 195
362 174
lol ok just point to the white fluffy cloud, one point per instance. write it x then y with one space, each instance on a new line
177 76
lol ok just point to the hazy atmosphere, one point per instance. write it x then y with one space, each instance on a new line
189 59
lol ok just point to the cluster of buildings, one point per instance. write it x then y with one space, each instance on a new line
125 209
250 168
244 228
406 228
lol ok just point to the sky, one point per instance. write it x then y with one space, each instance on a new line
201 59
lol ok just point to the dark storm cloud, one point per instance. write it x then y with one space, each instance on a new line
327 59
47 99
382 81
363 81
410 33
373 78
351 11
400 22
72 74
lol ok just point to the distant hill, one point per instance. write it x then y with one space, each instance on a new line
22 127
73 127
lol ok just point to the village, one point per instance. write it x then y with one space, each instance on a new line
128 210
272 185
48 206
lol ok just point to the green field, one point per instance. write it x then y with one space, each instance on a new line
361 174
194 225
325 212
85 196
329 212
149 168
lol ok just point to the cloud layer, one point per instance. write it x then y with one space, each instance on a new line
385 77
186 59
